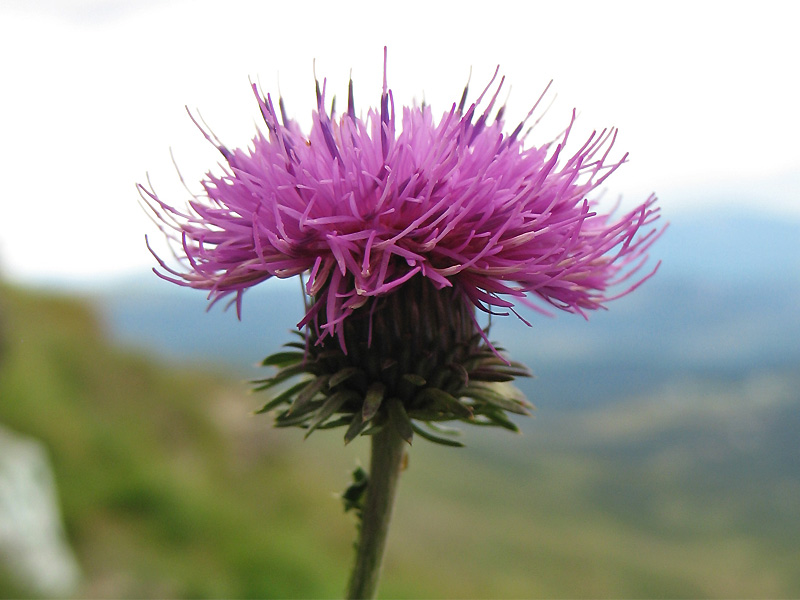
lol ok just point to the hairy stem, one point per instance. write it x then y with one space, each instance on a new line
385 466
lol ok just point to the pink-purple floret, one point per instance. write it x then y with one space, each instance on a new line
363 205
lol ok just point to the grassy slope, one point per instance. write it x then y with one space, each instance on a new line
159 498
171 488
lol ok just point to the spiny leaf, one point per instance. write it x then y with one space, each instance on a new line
287 419
327 354
342 375
460 372
435 438
449 401
357 425
311 390
400 420
428 415
284 396
513 369
298 345
490 375
414 379
372 400
280 376
331 405
338 422
281 359
481 354
487 395
491 359
497 418
439 428
373 428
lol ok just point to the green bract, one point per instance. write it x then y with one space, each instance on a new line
413 360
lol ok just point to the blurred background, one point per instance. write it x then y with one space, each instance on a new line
663 458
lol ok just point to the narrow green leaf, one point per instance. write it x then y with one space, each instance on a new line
298 345
460 371
435 438
307 414
499 419
489 375
357 425
338 422
287 419
400 420
429 416
439 428
280 376
414 379
311 390
489 396
342 375
331 405
521 366
372 429
481 355
281 359
328 354
284 396
449 401
436 395
372 401
492 359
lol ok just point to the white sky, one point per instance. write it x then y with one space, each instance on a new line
92 96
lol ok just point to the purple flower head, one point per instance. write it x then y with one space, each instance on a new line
364 204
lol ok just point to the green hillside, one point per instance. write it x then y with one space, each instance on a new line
171 487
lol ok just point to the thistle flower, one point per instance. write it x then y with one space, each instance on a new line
366 204
405 226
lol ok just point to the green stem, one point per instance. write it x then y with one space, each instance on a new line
385 466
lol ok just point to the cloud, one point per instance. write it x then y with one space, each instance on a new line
94 96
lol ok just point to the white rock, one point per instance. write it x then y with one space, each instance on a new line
33 546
